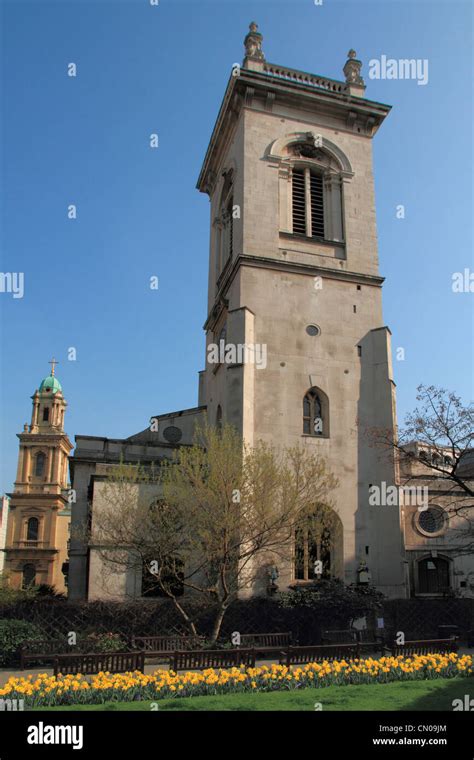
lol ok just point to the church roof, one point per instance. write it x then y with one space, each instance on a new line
51 384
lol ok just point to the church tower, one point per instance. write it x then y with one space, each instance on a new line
294 286
38 525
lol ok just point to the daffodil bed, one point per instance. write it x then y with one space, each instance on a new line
47 691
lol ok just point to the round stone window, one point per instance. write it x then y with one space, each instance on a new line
431 521
172 434
313 330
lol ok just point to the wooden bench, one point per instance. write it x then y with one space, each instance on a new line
44 650
353 635
153 646
346 636
89 664
201 659
265 642
301 655
428 646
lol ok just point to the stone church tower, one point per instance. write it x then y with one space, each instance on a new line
294 277
38 525
296 348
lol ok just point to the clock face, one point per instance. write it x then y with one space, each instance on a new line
172 434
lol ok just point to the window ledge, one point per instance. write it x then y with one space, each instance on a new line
317 437
307 239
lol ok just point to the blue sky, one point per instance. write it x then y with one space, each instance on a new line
85 140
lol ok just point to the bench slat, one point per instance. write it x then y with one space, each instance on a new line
201 659
423 646
155 645
265 641
299 655
92 663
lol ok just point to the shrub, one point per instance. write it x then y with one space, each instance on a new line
105 642
332 600
10 595
44 589
12 634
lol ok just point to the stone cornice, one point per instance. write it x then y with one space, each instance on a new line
249 84
51 439
19 496
264 262
310 269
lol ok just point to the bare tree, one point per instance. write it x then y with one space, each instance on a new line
214 519
436 444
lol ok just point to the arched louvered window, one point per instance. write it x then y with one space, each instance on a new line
308 203
316 413
39 464
225 230
32 529
230 230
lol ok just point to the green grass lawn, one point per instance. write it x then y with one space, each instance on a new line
409 695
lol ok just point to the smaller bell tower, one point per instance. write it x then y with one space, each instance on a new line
36 549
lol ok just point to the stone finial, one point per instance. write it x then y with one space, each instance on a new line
253 44
352 69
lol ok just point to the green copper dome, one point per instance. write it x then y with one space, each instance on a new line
50 384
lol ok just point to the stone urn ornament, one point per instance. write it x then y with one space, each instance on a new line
253 43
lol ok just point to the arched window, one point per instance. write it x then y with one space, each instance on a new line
32 529
46 414
29 576
225 238
219 418
312 173
308 202
312 553
220 338
433 575
229 227
39 464
223 334
316 413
